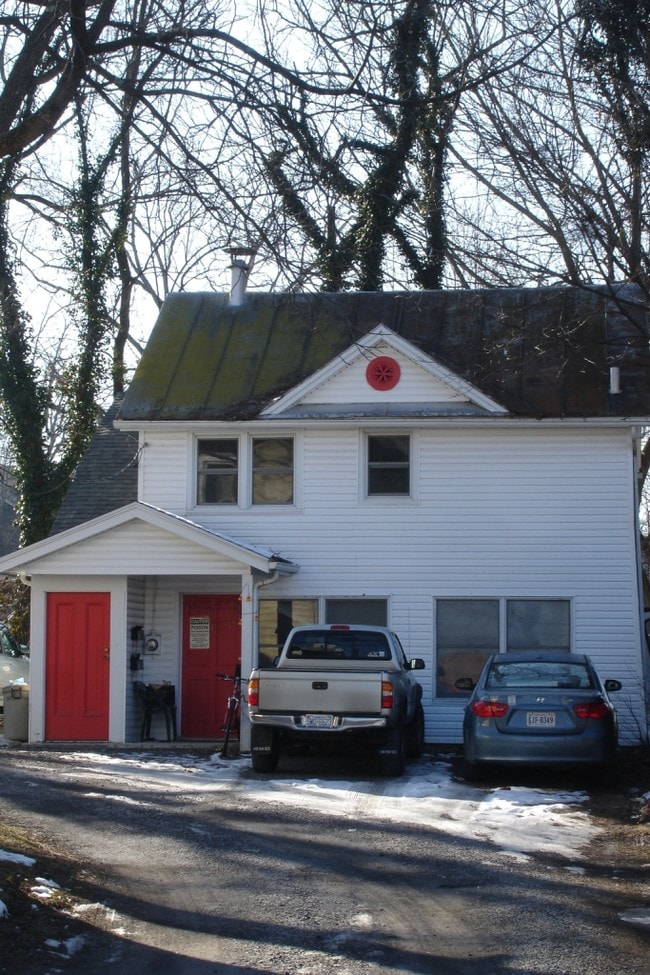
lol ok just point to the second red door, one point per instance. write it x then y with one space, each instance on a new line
211 646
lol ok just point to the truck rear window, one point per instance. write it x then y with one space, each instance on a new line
338 645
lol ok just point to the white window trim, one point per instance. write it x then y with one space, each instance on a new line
247 472
193 471
414 467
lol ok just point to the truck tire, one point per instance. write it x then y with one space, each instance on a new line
415 733
265 749
392 754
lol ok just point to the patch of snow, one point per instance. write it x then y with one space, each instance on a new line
4 912
66 948
17 858
44 889
638 915
125 799
517 821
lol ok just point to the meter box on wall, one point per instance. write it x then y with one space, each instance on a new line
153 643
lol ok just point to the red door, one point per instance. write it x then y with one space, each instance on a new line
211 646
77 666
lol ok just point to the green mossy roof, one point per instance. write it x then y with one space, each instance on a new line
539 352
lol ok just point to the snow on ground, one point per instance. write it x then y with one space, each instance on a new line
517 821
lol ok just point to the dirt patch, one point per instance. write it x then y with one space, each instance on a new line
43 920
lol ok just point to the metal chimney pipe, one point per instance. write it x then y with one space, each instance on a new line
238 279
239 273
614 380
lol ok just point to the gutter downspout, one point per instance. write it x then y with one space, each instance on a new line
637 435
245 733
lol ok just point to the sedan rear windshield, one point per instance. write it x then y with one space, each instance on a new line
538 673
339 645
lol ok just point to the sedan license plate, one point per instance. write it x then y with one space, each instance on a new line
318 721
540 719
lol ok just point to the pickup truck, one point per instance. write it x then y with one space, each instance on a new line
338 684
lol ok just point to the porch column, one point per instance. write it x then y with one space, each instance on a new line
248 655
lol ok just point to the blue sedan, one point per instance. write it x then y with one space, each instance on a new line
530 709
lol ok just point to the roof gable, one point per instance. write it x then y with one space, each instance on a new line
353 381
153 522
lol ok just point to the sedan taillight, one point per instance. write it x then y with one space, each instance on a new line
489 709
593 709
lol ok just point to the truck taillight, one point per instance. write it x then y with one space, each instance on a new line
386 694
253 694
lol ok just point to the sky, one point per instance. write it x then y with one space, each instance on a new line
517 821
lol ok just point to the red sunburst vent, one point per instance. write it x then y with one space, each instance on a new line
383 373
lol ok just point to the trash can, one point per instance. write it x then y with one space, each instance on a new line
16 711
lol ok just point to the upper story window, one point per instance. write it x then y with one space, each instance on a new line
389 464
272 470
218 469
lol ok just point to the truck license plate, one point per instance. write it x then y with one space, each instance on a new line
540 719
318 721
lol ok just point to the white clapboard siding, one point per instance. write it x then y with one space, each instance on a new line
165 471
138 549
415 384
495 512
134 617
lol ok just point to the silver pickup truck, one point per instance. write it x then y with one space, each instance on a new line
338 683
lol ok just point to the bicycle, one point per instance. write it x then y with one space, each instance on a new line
232 716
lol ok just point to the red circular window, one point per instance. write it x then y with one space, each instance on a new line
383 373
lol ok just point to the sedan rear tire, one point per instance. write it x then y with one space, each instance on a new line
473 771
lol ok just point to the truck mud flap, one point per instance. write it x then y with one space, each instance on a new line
265 749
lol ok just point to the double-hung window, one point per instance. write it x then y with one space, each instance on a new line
218 471
272 470
389 464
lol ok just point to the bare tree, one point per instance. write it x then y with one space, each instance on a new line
552 167
360 178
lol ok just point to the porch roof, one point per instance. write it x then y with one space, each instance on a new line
36 556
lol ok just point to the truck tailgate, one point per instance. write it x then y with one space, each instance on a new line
354 693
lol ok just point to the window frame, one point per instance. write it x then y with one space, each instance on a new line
502 648
196 450
388 496
255 438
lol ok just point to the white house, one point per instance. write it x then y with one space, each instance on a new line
460 466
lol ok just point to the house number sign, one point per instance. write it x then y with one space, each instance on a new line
199 632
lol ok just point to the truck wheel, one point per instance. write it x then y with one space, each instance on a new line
415 734
392 754
264 750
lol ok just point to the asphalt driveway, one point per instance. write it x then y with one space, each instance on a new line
184 863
